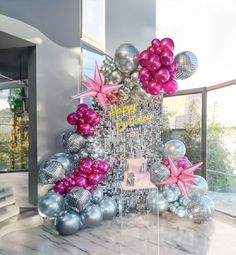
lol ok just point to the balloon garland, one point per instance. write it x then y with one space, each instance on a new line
132 81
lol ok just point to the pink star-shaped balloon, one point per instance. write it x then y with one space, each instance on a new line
96 88
181 177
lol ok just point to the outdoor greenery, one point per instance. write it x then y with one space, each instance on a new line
220 161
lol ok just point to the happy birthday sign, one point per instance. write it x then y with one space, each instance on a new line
128 115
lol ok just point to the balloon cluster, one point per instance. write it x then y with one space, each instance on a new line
197 206
76 210
85 119
123 70
87 175
158 67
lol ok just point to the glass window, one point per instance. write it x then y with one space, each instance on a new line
221 148
14 127
93 22
182 120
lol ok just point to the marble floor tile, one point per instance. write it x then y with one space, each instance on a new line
139 235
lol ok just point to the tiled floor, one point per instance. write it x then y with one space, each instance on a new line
137 235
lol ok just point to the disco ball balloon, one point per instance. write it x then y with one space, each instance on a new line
186 65
73 142
199 190
158 173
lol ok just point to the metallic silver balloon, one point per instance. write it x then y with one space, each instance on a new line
51 204
171 193
97 195
91 216
156 203
128 83
109 208
67 222
65 159
116 77
199 190
174 149
126 58
200 210
172 208
134 77
181 211
124 93
73 142
138 92
183 201
158 173
78 198
186 63
51 172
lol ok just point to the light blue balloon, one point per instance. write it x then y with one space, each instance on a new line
51 204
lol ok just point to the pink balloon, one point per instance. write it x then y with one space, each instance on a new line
143 57
154 63
168 43
167 57
144 75
155 43
90 115
81 121
94 179
172 67
162 75
154 88
60 188
72 118
91 131
83 129
103 168
158 50
86 166
81 182
96 121
170 87
151 50
82 108
145 84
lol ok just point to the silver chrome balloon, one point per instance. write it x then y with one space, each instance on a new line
134 77
200 210
51 172
199 190
181 211
186 63
158 173
109 208
175 149
172 208
91 216
78 198
171 193
125 58
183 201
67 222
156 203
124 93
73 142
51 204
116 77
97 195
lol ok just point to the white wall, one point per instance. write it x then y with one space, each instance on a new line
57 80
130 21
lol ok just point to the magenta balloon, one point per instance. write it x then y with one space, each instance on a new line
170 87
167 57
144 84
151 50
91 131
154 88
81 182
96 121
154 63
72 118
83 129
94 179
144 75
82 107
155 43
143 57
162 75
90 115
168 43
86 166
172 67
158 50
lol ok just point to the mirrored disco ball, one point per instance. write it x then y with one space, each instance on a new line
73 142
186 65
78 198
51 172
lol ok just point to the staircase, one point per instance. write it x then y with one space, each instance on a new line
8 207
